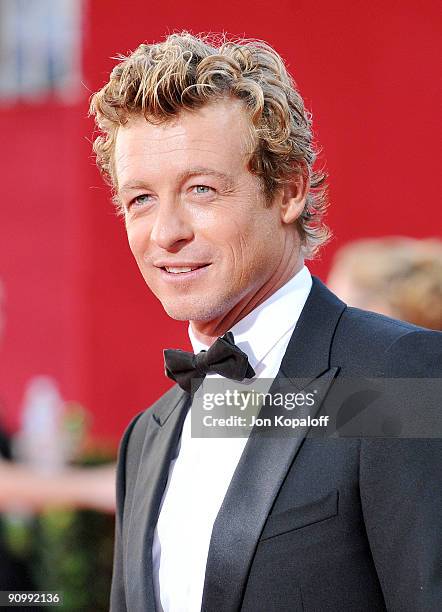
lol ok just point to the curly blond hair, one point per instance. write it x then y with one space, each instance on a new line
185 72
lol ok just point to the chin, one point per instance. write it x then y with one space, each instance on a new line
194 310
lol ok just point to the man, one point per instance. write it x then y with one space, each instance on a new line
209 151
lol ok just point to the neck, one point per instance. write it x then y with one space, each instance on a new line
207 332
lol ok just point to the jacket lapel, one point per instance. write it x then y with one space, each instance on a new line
159 448
266 458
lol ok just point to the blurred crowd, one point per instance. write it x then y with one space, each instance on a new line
395 276
33 478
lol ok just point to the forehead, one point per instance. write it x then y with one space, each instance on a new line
217 134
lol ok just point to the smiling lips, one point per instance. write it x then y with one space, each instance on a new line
178 270
183 269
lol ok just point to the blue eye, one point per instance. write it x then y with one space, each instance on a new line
202 188
140 200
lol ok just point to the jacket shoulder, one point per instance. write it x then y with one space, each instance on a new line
375 345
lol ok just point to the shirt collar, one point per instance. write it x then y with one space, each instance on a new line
262 328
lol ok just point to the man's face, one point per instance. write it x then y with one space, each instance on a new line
195 216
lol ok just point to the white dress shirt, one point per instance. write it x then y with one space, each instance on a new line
201 473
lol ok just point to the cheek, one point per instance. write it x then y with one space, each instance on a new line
258 232
252 248
136 238
235 239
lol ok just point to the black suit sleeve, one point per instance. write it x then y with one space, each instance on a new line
118 596
401 494
400 484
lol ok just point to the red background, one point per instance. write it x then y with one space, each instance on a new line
76 306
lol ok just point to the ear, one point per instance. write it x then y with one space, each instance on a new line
294 197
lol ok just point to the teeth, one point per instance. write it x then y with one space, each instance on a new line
178 270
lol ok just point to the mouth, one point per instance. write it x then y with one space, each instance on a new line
178 273
181 269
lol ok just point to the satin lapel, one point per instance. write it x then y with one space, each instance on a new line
159 448
266 459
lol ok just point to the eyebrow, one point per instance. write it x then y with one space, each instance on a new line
186 174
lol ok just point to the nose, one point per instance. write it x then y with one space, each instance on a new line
171 226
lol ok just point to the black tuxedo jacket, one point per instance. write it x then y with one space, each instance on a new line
307 523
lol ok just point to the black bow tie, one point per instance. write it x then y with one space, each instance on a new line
223 357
